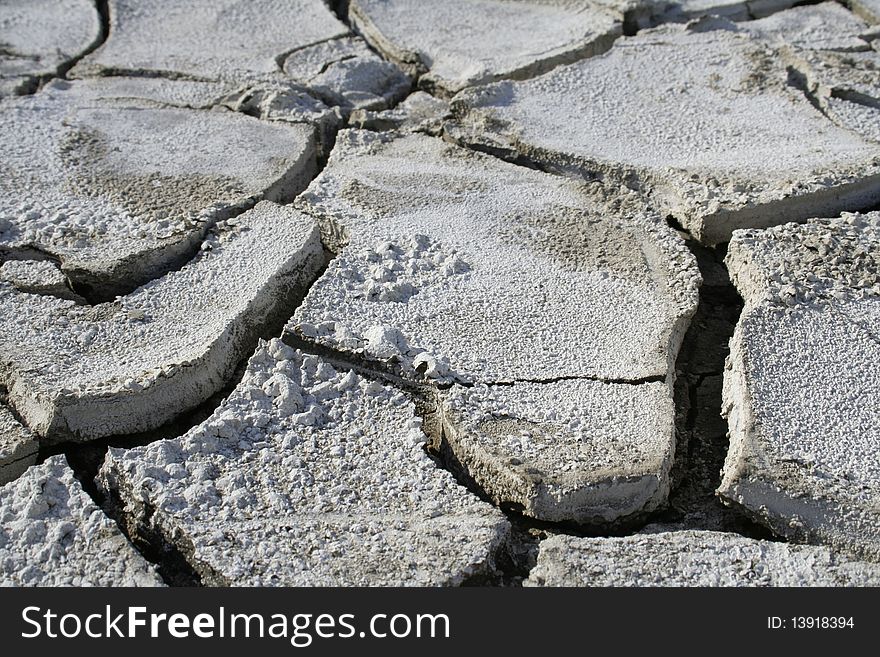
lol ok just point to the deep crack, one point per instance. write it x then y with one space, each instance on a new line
701 431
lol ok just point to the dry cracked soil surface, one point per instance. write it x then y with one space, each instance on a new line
480 292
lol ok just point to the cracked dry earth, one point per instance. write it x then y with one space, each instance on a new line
477 292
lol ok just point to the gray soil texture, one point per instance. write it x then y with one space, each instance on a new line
473 292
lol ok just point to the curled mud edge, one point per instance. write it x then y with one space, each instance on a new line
186 375
86 459
142 268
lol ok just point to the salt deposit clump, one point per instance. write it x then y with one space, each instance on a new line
52 534
307 475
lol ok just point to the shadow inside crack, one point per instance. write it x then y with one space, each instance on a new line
701 431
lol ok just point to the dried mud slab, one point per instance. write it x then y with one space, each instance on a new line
306 476
245 47
707 123
18 447
845 85
208 39
848 76
52 534
578 451
832 60
41 38
82 372
461 43
828 53
693 558
122 191
346 73
800 392
457 267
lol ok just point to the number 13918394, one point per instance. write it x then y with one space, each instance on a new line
810 623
